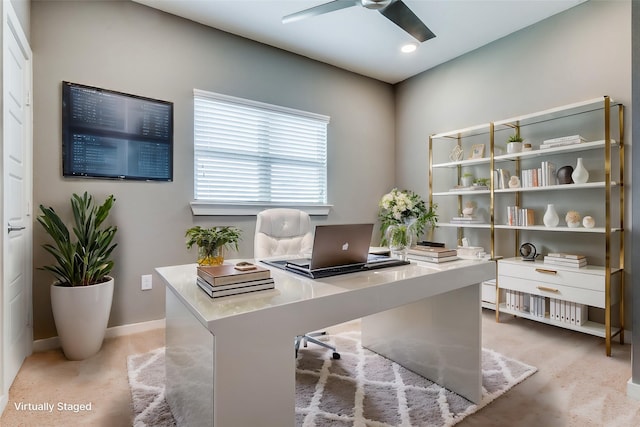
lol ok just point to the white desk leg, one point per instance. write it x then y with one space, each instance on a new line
254 380
189 366
438 337
244 376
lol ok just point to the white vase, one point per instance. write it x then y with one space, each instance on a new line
81 314
550 217
580 175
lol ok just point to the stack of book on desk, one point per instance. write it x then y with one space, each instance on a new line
566 260
431 254
224 280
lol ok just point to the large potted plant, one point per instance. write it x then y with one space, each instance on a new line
82 294
212 242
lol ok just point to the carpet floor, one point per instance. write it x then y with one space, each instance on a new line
361 388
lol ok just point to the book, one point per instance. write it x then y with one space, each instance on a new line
203 282
563 138
214 292
432 252
227 273
434 260
563 263
565 256
432 244
466 220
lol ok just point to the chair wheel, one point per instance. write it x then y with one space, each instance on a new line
336 356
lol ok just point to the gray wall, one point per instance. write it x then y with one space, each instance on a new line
131 48
577 55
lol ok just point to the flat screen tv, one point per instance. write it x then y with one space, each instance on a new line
113 135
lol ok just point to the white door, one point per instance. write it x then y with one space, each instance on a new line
17 331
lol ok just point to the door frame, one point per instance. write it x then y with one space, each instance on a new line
11 25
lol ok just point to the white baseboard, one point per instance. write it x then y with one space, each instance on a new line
116 331
633 390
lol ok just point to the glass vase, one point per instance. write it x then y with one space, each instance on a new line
400 237
210 256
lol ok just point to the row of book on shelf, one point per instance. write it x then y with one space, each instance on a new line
543 176
229 279
517 216
565 260
431 254
562 311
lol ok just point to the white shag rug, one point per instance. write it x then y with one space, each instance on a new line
361 388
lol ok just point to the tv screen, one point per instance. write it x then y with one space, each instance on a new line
108 134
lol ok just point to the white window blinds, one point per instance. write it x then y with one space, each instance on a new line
251 152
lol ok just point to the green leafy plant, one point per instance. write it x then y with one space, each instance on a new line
467 175
209 240
87 260
481 181
399 207
515 138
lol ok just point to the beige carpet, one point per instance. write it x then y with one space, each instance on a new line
576 384
362 388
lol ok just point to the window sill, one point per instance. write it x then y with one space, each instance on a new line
199 208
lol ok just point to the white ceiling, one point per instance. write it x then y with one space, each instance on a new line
364 41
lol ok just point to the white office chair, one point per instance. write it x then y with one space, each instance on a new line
282 231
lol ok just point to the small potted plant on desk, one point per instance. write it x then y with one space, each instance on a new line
82 294
212 242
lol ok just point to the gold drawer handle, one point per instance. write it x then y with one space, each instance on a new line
544 288
545 271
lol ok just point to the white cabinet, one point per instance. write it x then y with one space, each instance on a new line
507 216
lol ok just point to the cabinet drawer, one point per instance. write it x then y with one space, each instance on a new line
569 293
538 272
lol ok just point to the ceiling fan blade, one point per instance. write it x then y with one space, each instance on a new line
400 14
319 10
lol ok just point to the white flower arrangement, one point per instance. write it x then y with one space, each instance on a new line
401 206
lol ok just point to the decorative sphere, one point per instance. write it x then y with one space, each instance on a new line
564 175
588 222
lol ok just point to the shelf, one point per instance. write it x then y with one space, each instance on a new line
594 104
456 225
597 230
584 146
481 129
571 187
589 327
461 192
596 118
467 162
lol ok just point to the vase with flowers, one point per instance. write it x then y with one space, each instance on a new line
403 214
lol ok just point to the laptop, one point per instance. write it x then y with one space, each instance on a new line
337 249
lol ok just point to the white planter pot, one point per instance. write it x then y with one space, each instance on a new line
81 314
514 147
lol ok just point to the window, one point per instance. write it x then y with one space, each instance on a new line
251 153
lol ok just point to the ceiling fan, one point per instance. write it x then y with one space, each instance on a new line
394 10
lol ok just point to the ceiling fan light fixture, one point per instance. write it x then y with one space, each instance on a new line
409 47
375 4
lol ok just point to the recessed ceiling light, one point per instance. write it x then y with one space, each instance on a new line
408 48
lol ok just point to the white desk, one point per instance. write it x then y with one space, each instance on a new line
230 362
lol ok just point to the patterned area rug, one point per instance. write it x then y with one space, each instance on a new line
361 388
